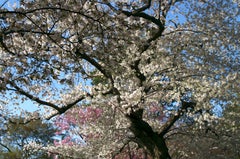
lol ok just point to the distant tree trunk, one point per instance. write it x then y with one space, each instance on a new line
151 141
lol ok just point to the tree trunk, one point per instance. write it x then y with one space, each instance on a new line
151 141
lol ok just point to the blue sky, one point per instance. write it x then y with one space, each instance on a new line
8 3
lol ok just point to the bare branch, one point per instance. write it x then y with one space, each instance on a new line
3 3
5 147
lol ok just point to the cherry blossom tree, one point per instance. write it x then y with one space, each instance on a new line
177 54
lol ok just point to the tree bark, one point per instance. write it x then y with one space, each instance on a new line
149 140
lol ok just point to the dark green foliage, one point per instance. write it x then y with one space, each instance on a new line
97 80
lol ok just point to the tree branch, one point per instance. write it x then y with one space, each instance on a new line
26 31
148 5
139 13
112 90
125 143
94 63
2 44
60 110
171 121
5 147
67 107
145 16
47 8
137 72
3 3
30 96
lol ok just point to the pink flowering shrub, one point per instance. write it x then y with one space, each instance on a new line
71 122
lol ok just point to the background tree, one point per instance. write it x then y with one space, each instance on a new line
142 52
16 135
